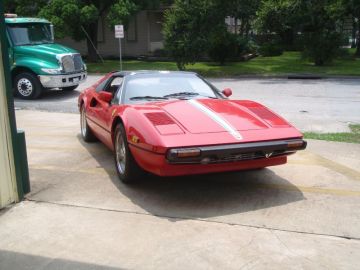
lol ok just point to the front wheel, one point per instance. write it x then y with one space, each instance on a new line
70 88
27 86
86 132
127 168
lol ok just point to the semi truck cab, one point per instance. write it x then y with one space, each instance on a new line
37 63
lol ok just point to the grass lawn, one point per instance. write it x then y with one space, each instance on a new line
351 137
288 63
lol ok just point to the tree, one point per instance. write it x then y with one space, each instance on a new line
24 7
321 25
188 26
280 17
79 19
244 11
319 22
353 9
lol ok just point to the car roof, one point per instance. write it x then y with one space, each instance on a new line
149 72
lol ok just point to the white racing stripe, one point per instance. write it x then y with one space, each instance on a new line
218 119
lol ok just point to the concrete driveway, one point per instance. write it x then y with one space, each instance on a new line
303 215
328 105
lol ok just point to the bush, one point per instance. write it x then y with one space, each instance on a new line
246 45
271 49
222 46
225 46
322 47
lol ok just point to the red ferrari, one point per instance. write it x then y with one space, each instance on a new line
177 123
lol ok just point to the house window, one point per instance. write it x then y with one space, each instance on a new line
131 33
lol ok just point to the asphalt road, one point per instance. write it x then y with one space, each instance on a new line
326 105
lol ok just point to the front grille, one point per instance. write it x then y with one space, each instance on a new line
238 157
78 62
72 62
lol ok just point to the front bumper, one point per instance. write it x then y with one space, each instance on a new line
238 152
222 158
59 81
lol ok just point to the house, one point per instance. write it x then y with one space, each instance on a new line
143 36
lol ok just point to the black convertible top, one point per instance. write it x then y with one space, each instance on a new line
148 72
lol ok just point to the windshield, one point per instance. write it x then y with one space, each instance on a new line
29 33
166 86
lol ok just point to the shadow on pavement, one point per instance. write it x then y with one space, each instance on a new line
53 95
203 196
20 261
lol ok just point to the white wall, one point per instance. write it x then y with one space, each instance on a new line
8 190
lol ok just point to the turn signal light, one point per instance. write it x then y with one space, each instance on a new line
188 152
295 144
184 153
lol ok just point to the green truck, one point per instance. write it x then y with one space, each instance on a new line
37 63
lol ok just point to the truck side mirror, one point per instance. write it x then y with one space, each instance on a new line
52 32
227 92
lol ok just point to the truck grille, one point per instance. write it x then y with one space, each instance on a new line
72 62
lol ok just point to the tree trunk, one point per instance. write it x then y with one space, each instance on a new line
247 28
235 26
242 28
353 35
357 53
92 43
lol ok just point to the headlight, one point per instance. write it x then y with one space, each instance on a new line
52 70
85 67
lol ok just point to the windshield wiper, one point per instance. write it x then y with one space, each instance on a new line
147 97
180 94
187 94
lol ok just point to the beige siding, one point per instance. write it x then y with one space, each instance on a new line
8 191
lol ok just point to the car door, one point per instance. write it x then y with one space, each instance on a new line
101 111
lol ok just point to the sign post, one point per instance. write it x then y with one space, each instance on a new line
119 33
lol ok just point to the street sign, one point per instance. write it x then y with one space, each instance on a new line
119 31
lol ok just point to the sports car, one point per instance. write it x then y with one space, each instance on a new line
177 123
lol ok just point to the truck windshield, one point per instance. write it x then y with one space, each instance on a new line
30 33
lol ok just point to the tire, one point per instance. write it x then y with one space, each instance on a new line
126 167
86 133
27 86
70 88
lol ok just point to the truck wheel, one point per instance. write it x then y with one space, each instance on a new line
27 86
126 167
70 88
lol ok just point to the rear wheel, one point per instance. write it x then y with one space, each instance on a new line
27 86
127 168
70 88
86 132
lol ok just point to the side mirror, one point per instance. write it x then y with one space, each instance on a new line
105 96
227 92
52 32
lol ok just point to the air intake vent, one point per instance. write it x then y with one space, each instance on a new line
159 118
268 116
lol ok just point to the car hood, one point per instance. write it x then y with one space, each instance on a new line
218 115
